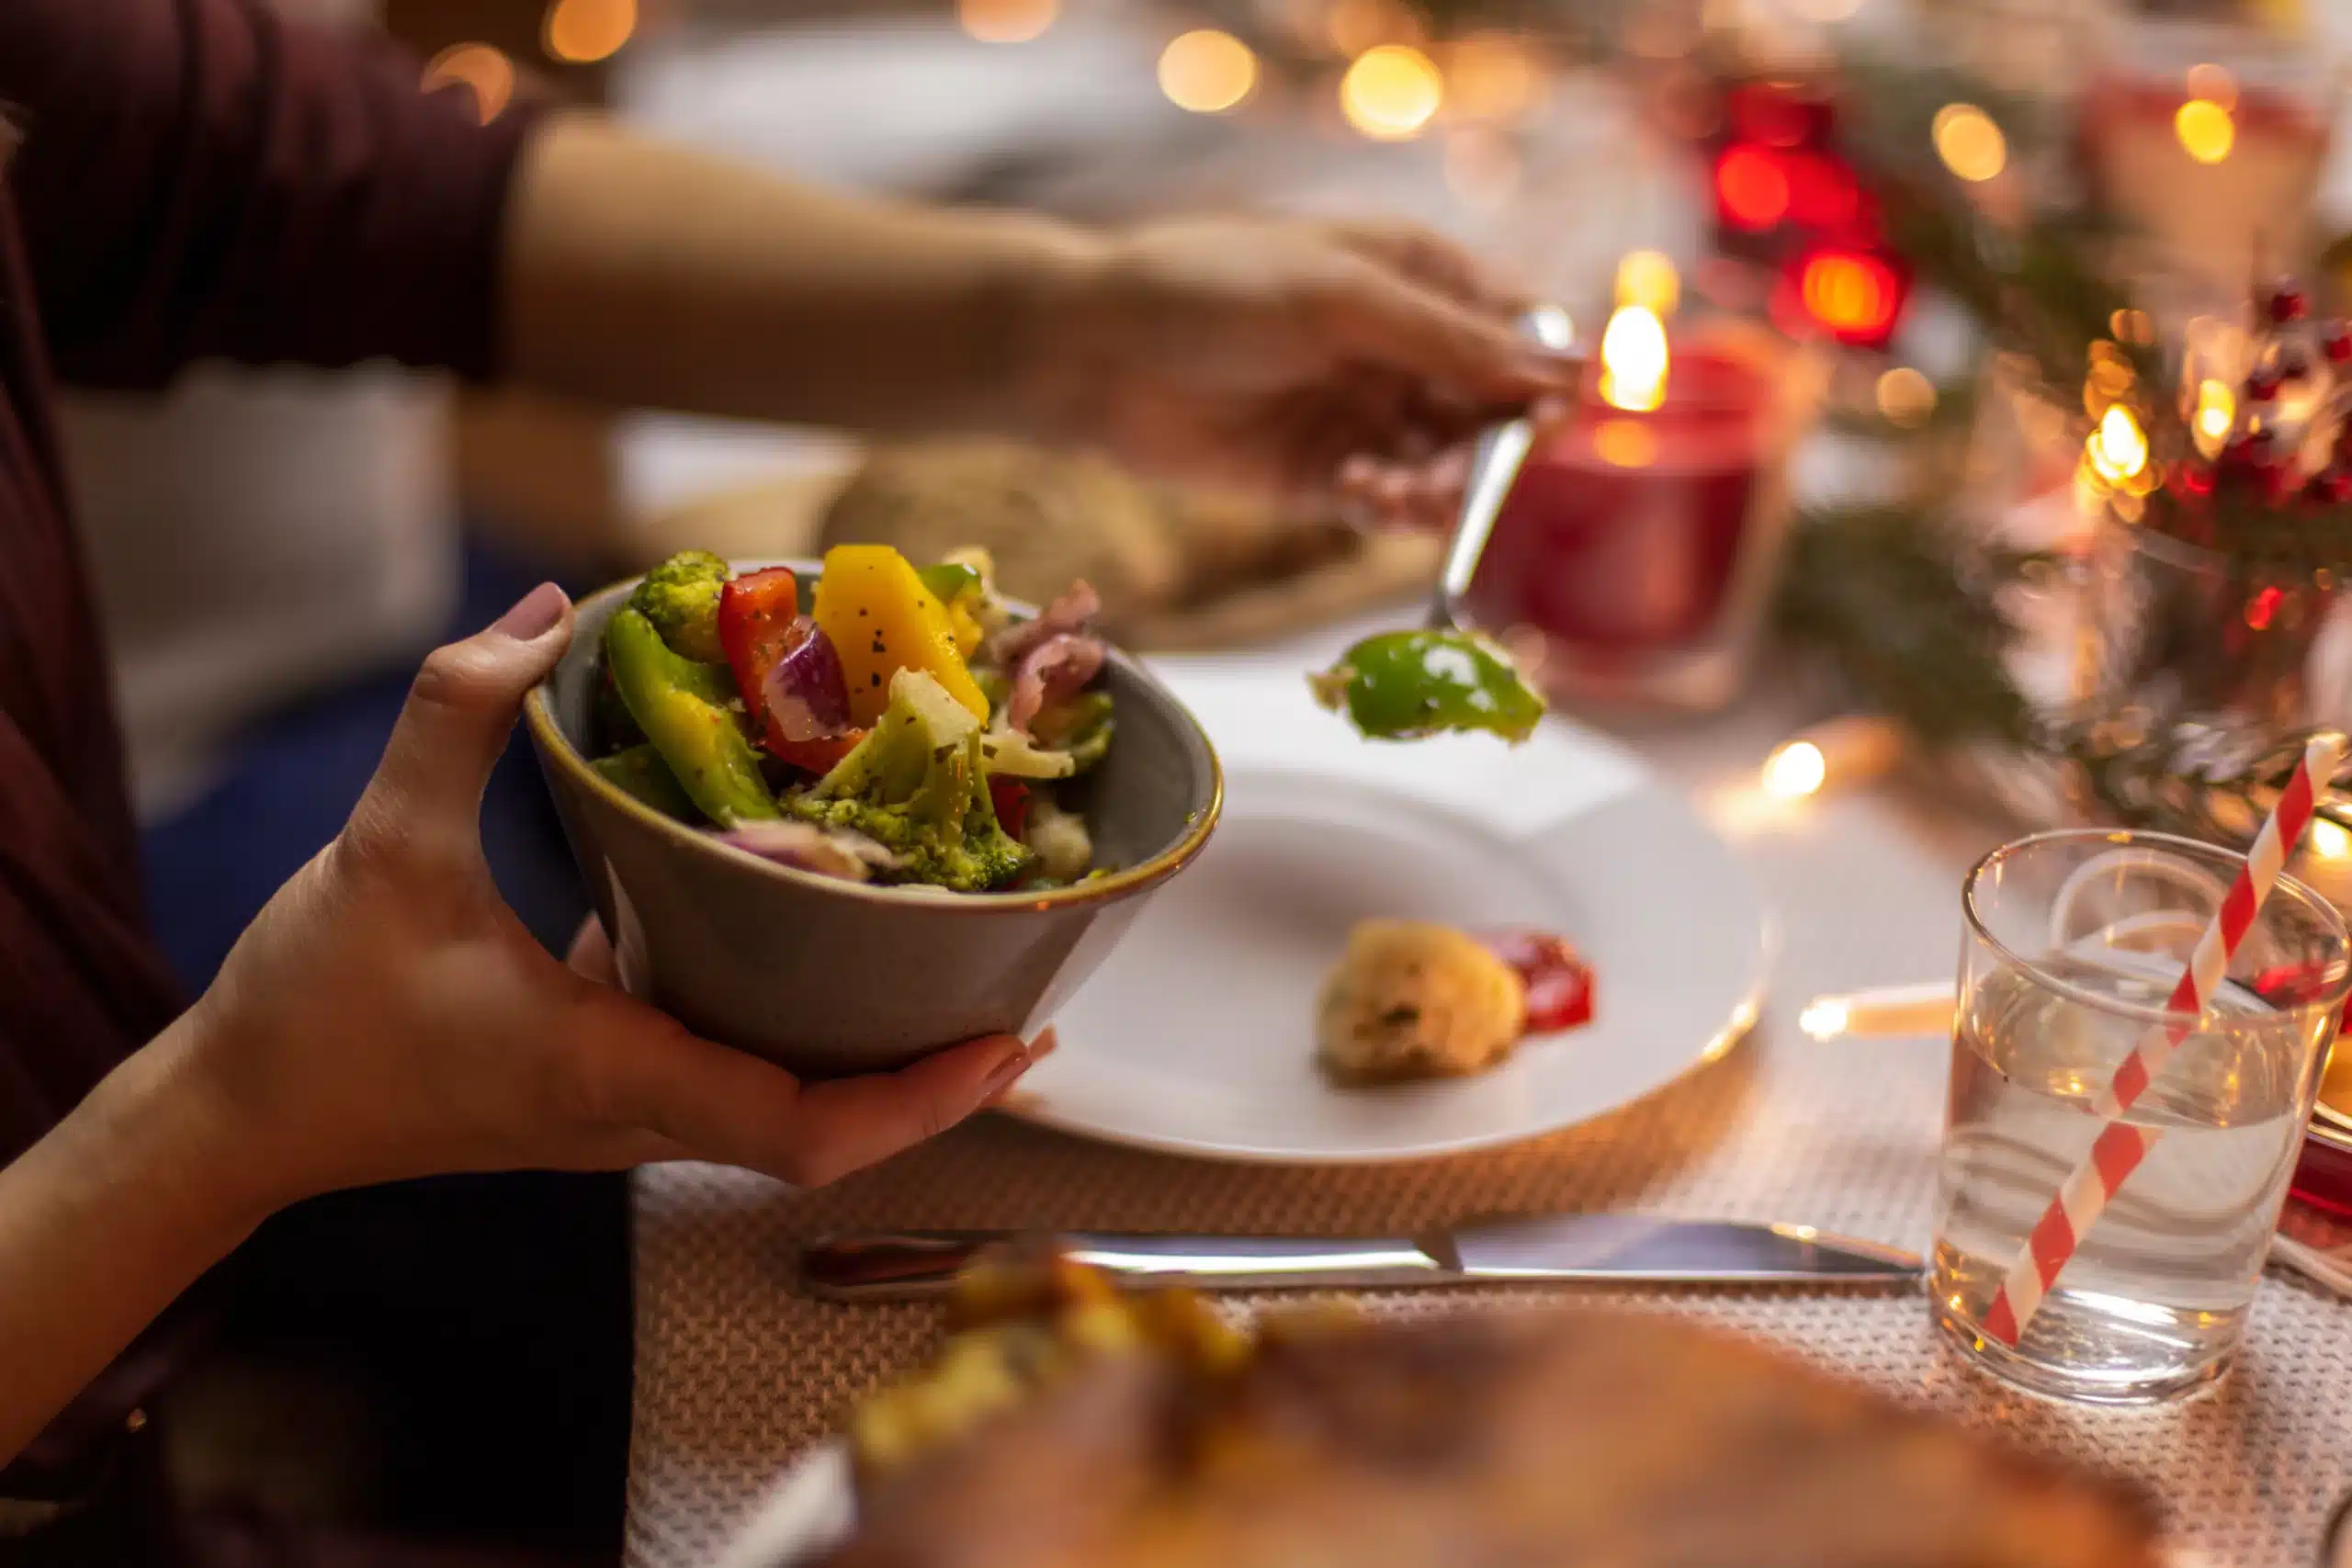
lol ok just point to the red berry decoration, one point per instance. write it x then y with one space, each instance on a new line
2337 343
2286 303
2333 484
2253 451
2263 384
2196 479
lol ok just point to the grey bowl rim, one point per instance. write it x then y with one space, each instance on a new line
548 738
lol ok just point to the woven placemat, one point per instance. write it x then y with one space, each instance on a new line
737 1372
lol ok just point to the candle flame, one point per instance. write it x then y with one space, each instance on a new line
1634 360
2117 450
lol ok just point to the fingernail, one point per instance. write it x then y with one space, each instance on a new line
1006 1074
1043 1046
534 615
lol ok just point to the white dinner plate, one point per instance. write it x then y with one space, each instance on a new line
1196 1037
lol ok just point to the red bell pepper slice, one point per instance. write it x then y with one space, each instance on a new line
756 612
1011 798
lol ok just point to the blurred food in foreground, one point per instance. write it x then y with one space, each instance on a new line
1067 1424
1175 570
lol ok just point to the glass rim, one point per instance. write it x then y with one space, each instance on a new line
2332 1000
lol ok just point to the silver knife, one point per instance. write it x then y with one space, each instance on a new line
1613 1248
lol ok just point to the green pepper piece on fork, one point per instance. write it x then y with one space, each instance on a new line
1407 686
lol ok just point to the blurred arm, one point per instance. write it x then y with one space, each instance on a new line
642 273
202 178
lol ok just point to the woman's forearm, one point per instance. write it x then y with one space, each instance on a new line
104 1223
640 272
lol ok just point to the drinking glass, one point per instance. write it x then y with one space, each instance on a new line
2074 941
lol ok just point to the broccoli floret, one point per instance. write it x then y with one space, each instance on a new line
680 598
915 785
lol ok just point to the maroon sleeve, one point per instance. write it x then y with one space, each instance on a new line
203 179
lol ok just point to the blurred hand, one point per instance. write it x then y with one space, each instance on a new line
1313 360
386 1015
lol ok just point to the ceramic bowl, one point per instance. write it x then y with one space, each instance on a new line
830 977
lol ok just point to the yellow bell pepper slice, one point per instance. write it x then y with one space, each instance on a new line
881 619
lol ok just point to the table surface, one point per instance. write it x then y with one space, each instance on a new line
737 1373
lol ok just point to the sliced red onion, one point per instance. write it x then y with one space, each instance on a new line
1071 613
827 852
806 695
1055 668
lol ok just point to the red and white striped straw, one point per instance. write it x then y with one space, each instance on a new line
2121 1146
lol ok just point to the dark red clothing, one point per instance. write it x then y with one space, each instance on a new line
192 179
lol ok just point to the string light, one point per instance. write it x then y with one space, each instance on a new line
1906 397
1489 76
1848 750
1391 93
1968 141
1006 22
481 70
1795 770
1206 71
2217 414
1634 360
2118 450
580 32
1854 295
2205 130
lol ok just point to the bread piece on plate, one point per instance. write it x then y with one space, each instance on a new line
1555 1438
1414 1000
1047 519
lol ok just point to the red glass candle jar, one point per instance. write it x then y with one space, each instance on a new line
1634 558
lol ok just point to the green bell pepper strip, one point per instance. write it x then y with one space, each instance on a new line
949 580
688 710
641 774
1407 686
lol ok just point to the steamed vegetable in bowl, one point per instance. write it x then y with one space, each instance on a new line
903 727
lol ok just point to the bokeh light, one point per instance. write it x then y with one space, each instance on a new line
2329 841
1853 296
481 70
580 32
1491 76
1906 397
1206 71
1795 770
1391 93
2217 413
1753 188
2205 130
1968 141
1006 22
2118 450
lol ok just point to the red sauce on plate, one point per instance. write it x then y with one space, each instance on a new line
1558 981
